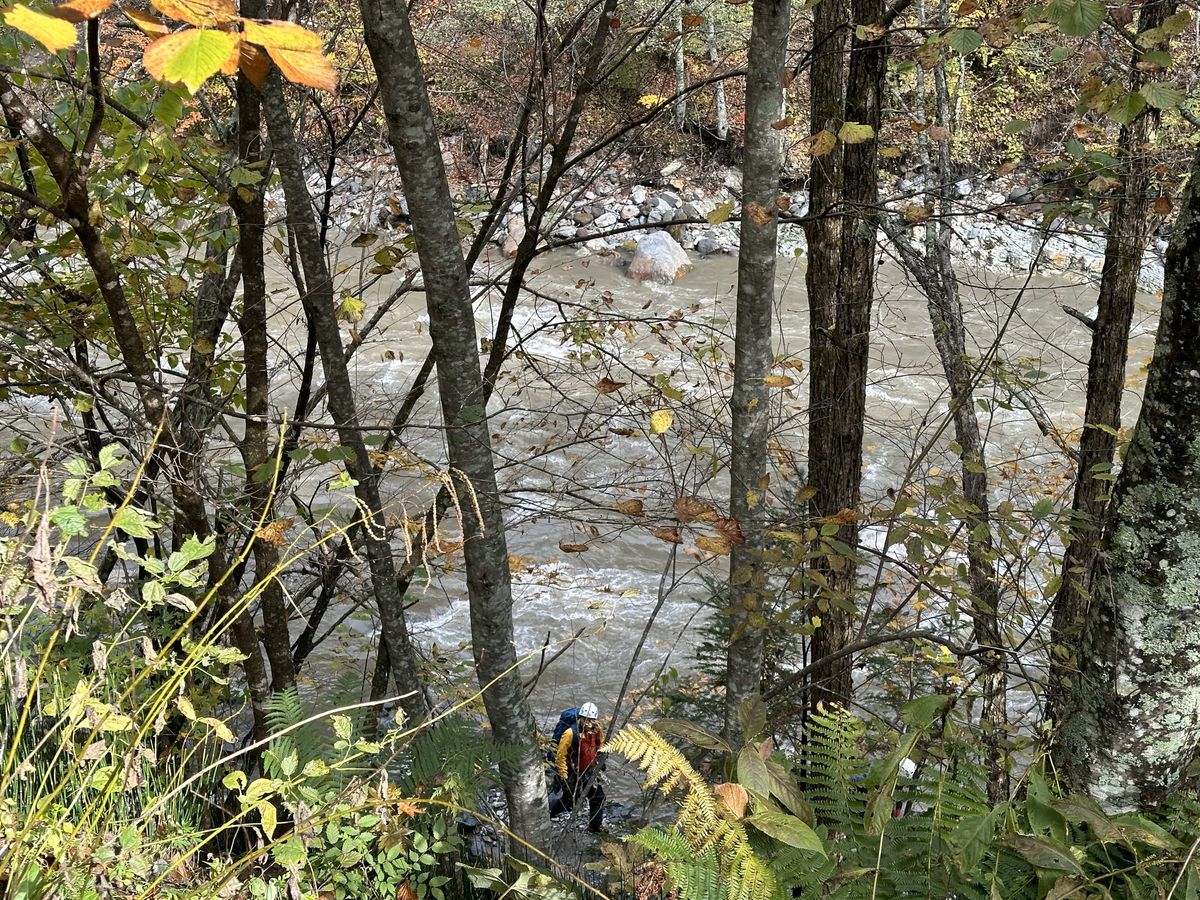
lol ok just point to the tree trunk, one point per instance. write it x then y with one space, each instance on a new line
1134 709
456 350
754 351
680 105
1128 230
319 306
722 111
841 281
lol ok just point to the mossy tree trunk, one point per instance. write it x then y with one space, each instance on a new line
1133 713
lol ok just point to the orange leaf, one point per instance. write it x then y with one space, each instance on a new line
630 507
572 548
80 10
254 64
733 797
731 530
670 535
147 23
52 33
197 12
692 509
1163 206
305 67
607 386
778 381
281 35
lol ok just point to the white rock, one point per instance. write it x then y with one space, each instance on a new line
512 240
629 212
607 220
659 258
671 168
638 194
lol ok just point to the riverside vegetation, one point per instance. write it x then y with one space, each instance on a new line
946 653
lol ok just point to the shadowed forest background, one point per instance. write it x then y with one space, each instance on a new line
815 388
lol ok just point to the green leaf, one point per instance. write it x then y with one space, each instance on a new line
1016 126
787 829
924 711
266 812
1079 18
964 40
1045 854
70 520
693 734
189 57
752 772
1042 508
972 837
1127 108
1162 94
752 717
134 523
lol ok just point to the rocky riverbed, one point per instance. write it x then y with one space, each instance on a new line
998 222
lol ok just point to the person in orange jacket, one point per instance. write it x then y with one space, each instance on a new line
577 767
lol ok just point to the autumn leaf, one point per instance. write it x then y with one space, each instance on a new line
759 214
855 132
731 530
693 21
189 57
720 214
693 509
787 122
733 798
940 133
308 68
175 286
351 310
1163 206
631 507
80 10
607 386
275 533
52 33
778 381
660 421
572 548
281 35
197 12
147 23
823 143
668 534
890 153
718 545
915 215
872 32
254 64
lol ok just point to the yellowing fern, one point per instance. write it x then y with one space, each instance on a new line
703 821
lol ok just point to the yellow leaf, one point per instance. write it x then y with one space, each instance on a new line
649 100
823 142
778 381
351 310
80 10
281 35
185 707
197 12
890 152
189 57
52 33
660 421
147 23
305 67
716 544
855 132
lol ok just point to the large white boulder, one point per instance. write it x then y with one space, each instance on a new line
659 258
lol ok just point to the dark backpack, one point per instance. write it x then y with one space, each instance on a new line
568 718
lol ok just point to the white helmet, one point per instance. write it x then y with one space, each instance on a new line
589 711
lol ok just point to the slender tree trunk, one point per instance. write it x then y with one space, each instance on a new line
319 306
841 280
1128 230
754 351
1133 721
722 111
456 350
680 106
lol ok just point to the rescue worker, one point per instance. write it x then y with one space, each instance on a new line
577 768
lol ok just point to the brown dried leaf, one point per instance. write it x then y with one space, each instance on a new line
733 798
632 507
607 386
693 509
718 545
731 530
572 548
668 534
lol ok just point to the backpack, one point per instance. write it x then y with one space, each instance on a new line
568 718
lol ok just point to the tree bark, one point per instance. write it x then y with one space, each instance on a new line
841 281
754 351
1128 230
721 109
679 108
414 139
1133 721
319 306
